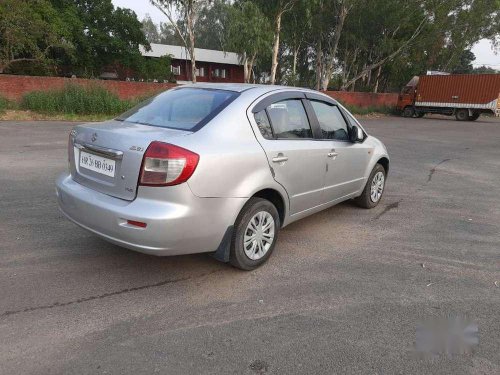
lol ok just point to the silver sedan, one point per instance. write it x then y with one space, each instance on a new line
218 168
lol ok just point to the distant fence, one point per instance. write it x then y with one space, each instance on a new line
13 87
365 99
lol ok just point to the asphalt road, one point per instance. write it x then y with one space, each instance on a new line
343 293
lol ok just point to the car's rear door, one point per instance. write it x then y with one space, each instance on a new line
346 161
296 158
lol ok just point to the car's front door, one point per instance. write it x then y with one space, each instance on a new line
346 161
298 161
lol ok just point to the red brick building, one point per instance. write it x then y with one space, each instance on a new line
211 65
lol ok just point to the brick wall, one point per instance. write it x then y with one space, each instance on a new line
365 99
14 87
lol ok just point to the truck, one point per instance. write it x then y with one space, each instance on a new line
465 96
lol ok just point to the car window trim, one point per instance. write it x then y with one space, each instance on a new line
277 97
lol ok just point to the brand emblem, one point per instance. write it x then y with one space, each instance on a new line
94 137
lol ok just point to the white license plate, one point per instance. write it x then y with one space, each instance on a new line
97 164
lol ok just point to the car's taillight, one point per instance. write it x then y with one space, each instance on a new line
165 165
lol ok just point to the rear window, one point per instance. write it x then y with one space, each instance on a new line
185 108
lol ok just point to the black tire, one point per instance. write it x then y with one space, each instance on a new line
419 114
365 200
462 115
408 111
474 116
238 257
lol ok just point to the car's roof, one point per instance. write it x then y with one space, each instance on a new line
240 87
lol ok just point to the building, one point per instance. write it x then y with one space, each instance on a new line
211 65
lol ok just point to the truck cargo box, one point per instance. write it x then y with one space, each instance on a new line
473 91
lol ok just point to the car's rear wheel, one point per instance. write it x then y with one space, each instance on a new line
255 234
374 189
462 115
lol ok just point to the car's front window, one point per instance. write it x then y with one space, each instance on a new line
331 121
184 108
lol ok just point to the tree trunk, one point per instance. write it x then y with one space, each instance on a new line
250 68
319 65
189 15
379 71
327 75
276 45
245 69
294 66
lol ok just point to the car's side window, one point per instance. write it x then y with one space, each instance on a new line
289 119
264 125
331 121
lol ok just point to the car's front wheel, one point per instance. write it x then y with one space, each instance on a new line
374 189
255 234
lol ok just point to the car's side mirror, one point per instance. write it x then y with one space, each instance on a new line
356 134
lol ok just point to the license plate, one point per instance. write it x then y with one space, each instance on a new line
97 164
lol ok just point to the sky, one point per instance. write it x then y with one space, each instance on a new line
483 49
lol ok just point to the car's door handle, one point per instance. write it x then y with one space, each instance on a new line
332 154
280 159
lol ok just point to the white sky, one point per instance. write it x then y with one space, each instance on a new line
483 49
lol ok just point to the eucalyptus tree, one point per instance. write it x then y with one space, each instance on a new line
275 9
189 12
248 33
211 32
150 30
296 32
330 19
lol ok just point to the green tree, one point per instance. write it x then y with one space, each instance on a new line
156 69
296 31
275 10
211 31
29 33
102 35
150 30
168 35
248 33
484 70
464 65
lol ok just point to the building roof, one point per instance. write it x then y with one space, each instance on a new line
180 53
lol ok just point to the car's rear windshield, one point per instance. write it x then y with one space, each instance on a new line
182 108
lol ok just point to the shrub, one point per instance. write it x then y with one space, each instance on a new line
75 99
4 104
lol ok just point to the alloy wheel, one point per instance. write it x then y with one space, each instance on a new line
377 187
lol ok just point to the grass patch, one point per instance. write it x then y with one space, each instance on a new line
76 100
355 110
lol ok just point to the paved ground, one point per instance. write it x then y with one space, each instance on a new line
343 292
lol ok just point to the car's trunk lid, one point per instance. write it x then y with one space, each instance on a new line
107 156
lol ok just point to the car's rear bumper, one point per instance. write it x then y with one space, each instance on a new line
177 221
